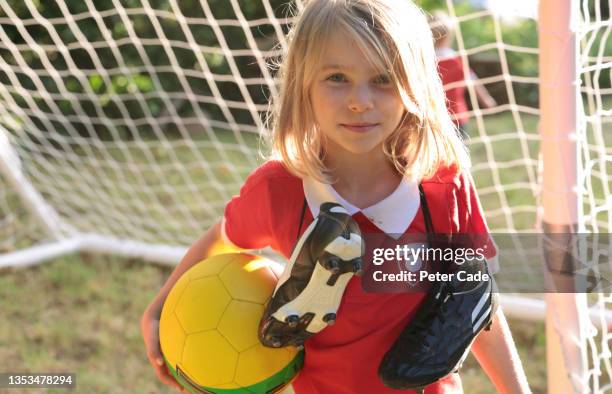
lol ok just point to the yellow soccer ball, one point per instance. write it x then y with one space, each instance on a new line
208 328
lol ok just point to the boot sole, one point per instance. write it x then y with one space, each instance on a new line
316 306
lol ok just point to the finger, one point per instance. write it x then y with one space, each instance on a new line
155 358
173 383
153 344
167 378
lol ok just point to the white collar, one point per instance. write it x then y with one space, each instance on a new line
446 52
393 214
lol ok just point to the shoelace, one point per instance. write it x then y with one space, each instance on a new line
422 330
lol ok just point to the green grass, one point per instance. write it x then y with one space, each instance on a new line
494 152
81 313
150 185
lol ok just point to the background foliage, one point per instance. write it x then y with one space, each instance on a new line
132 73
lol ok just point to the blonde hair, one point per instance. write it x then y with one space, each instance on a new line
395 36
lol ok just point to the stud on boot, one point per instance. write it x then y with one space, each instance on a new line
310 289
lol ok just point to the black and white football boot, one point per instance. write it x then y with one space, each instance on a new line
438 339
309 291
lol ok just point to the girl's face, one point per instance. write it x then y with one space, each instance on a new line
356 106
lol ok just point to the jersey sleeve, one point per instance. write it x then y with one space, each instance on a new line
247 218
472 222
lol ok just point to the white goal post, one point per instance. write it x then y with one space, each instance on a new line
125 127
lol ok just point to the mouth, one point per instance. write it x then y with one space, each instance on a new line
359 127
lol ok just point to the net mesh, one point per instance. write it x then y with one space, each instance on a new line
595 144
139 120
136 120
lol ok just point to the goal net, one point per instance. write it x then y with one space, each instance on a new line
595 179
136 120
126 125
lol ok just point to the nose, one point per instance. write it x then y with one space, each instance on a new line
360 99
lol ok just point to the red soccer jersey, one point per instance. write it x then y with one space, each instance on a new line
344 358
451 71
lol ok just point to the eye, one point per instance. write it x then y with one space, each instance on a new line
382 79
337 77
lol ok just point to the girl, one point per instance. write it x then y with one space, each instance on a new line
452 71
361 121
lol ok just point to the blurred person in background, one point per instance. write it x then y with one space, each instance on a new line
452 70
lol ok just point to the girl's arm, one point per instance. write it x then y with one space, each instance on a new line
482 94
497 355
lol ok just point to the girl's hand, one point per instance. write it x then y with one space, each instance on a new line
149 327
